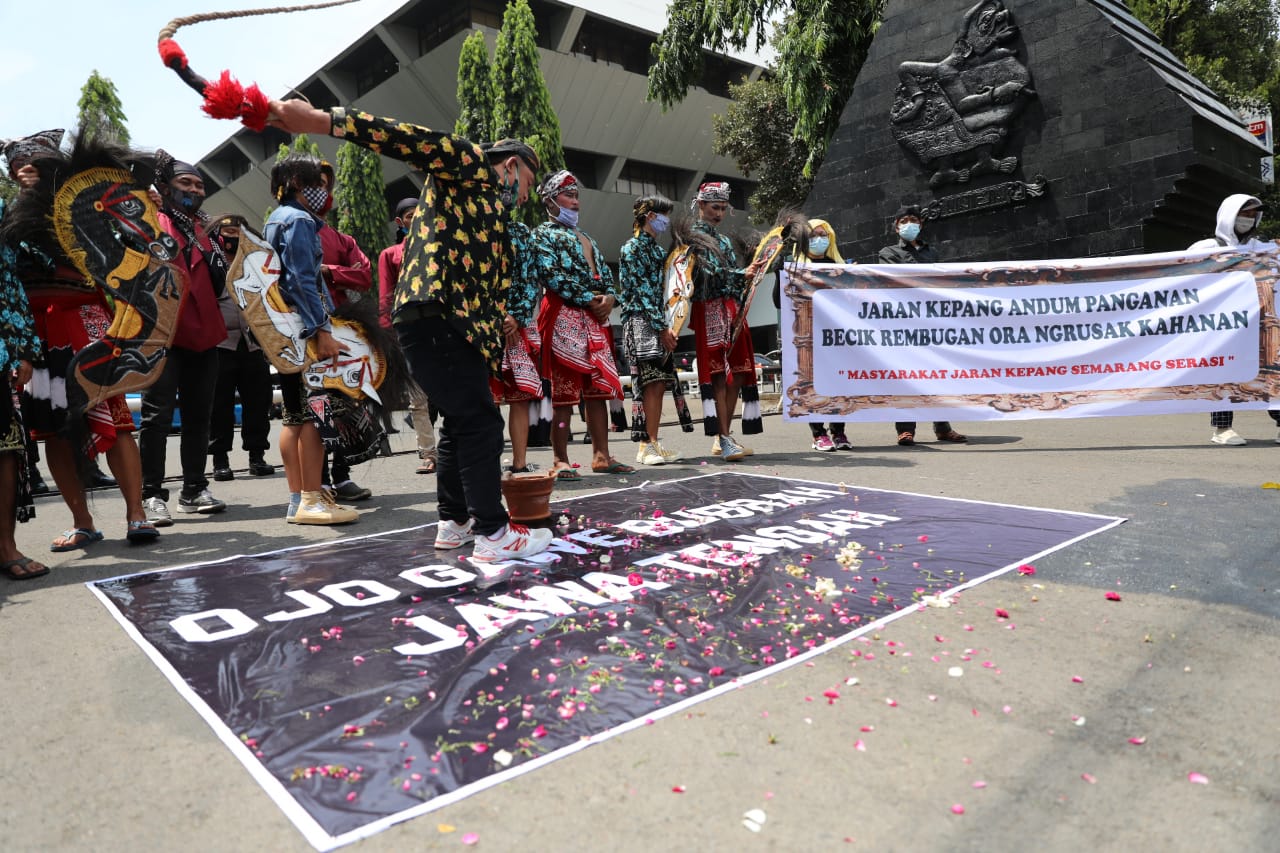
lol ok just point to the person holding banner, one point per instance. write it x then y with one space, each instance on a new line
821 249
910 249
1237 226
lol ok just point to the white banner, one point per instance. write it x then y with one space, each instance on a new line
1107 336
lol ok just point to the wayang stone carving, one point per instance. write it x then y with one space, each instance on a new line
955 115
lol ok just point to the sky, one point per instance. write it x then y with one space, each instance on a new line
48 56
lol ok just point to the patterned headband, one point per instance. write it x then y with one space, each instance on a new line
28 149
713 191
558 183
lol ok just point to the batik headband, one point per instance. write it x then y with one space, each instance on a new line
713 191
28 149
558 183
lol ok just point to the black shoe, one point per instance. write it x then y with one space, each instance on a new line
96 479
384 447
350 491
37 483
222 470
258 467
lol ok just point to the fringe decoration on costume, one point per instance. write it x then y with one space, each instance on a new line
682 408
710 418
618 415
226 98
752 423
639 424
540 416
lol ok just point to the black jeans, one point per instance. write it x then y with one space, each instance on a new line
245 371
190 377
455 378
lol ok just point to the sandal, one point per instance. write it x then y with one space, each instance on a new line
140 532
29 569
568 475
79 537
614 467
951 436
906 439
428 466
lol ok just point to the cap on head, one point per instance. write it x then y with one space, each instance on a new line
405 204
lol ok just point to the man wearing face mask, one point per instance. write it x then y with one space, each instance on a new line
577 355
243 372
1237 226
911 249
191 372
648 340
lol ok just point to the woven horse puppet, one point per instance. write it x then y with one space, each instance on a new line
109 230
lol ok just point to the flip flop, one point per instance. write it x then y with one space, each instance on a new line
428 466
569 475
614 467
24 563
140 532
72 539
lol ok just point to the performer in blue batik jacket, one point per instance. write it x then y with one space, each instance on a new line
578 356
520 383
647 338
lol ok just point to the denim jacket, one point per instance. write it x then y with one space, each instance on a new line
295 235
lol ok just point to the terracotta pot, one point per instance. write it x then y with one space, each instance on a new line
528 495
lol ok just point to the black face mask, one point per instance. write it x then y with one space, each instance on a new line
230 244
187 202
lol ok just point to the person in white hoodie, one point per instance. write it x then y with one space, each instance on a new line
1238 219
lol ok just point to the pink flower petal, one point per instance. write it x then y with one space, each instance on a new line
1001 613
677 789
859 745
957 809
1026 570
470 838
1137 741
1089 777
979 784
1113 596
1197 778
1077 679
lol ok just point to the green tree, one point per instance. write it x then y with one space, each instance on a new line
821 47
359 205
301 144
101 113
757 132
475 90
522 103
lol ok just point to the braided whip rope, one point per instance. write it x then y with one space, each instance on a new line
177 23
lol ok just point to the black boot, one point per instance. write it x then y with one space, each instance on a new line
37 483
258 466
222 469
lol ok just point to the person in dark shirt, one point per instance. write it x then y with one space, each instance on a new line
910 249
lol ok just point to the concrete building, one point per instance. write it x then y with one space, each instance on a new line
594 56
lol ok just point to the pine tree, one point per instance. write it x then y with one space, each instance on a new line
101 113
475 90
360 207
522 103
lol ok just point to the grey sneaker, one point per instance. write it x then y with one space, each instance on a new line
730 450
204 503
157 512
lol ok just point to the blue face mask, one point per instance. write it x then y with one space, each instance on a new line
659 223
818 246
567 217
909 231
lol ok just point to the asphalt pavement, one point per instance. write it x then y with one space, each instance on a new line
1080 723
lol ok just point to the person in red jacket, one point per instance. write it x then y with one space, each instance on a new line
348 273
191 371
388 274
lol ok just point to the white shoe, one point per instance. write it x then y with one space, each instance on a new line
510 543
157 512
669 455
641 451
731 451
315 509
1227 436
652 454
451 534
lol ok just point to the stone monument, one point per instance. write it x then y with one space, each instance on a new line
1023 130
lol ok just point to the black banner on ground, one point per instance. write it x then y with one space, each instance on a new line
366 681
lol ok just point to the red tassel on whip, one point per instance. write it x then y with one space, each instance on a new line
226 98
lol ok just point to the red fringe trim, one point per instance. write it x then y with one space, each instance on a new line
255 109
222 99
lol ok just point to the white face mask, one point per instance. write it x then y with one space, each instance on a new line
567 217
909 231
1245 224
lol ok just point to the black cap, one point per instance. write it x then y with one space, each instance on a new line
405 204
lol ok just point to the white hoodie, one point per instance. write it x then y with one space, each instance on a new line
1225 233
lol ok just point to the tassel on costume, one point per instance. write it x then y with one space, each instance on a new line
682 408
639 424
710 419
752 423
618 415
540 415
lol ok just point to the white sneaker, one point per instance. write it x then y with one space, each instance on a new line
511 543
314 509
451 534
715 447
641 451
731 451
652 454
669 455
157 512
1227 436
